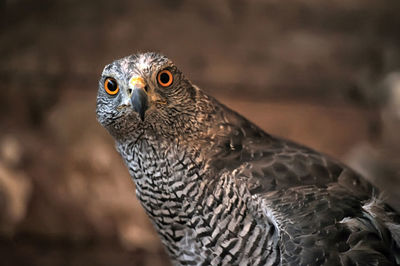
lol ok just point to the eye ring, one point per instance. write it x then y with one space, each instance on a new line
111 86
165 78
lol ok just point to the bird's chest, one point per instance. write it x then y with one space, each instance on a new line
163 179
150 169
200 218
224 230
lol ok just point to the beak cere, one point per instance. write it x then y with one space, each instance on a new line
138 97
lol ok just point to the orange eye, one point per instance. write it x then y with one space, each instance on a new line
164 78
111 86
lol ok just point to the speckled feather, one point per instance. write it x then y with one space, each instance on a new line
220 191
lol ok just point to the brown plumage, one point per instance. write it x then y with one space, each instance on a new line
221 191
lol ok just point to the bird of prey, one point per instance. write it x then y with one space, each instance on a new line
221 191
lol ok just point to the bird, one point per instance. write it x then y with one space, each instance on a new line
221 191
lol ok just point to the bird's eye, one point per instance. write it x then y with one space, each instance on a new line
164 78
111 86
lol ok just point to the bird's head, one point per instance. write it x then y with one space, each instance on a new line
145 93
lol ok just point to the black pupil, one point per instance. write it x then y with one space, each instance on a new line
112 85
164 78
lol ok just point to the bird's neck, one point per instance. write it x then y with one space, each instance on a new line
168 178
164 173
168 170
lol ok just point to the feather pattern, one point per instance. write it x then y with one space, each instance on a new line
220 191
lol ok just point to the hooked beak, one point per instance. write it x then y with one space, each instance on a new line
138 96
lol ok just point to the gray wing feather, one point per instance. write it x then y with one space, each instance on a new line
274 163
316 202
328 226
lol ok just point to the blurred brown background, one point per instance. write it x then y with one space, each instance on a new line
323 73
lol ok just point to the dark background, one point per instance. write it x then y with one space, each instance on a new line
321 73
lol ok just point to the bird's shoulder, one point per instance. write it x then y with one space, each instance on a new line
319 205
270 163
